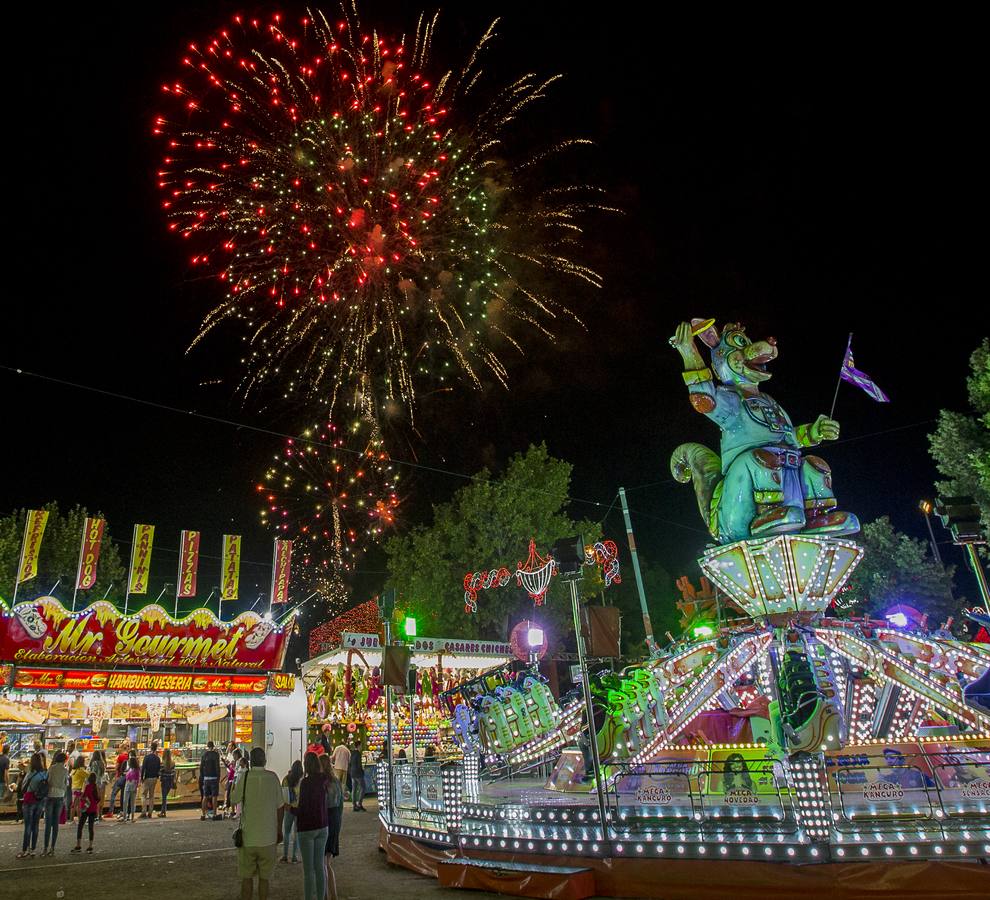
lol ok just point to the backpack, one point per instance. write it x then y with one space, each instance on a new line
39 788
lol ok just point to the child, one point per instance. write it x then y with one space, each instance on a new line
89 807
131 781
79 776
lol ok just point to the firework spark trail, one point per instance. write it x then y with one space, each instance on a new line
332 502
356 210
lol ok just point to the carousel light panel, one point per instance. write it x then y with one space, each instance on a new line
782 574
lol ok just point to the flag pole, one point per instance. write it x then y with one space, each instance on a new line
82 550
178 576
271 593
838 383
130 570
20 561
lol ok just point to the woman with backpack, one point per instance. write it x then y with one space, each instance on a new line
89 806
35 787
290 797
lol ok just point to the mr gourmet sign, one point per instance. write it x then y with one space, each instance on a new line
44 631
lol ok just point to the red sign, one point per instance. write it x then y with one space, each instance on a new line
283 683
89 553
43 631
139 682
188 563
280 577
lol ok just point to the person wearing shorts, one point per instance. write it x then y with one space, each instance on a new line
209 780
258 793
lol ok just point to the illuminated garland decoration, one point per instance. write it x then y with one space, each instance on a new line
362 619
606 555
477 581
535 574
358 211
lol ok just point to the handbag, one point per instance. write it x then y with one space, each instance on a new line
239 831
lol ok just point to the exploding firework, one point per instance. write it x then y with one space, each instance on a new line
357 210
333 492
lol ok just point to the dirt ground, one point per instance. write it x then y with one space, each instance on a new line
182 858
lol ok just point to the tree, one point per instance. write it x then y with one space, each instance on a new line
897 568
59 556
661 600
961 443
486 525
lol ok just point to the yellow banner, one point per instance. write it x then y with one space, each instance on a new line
144 536
231 573
34 530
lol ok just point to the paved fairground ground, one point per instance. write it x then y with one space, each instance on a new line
182 858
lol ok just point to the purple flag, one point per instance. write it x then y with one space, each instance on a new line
854 376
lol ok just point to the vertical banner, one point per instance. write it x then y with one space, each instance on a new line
89 553
280 575
231 572
137 579
34 530
188 564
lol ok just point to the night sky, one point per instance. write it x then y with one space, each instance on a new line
807 178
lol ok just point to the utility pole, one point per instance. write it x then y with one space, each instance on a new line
651 644
961 516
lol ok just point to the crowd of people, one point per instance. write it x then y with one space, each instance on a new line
302 811
72 788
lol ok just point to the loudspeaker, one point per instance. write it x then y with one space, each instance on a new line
395 665
568 553
602 630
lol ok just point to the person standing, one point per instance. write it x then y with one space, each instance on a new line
209 780
79 776
312 822
98 766
4 769
341 762
70 762
131 781
151 768
35 788
233 764
120 776
290 802
167 779
89 807
54 803
356 771
335 815
258 793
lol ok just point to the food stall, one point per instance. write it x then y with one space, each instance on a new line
346 699
99 678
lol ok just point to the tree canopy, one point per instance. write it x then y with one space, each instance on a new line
961 442
58 559
899 569
485 525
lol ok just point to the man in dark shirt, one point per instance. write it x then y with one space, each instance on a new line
151 768
4 768
209 780
356 771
